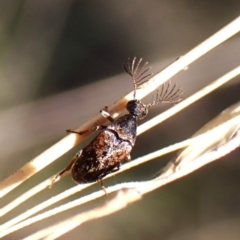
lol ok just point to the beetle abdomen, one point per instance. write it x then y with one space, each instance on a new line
101 157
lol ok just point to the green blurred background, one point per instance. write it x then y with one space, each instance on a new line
61 62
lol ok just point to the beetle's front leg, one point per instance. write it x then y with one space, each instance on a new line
106 114
96 128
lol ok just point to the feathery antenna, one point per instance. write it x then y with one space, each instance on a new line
167 93
138 72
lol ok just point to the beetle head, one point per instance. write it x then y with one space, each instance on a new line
137 109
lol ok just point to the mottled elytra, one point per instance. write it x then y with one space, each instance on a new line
115 141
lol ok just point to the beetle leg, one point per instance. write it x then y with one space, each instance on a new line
96 128
128 157
66 170
112 170
106 114
103 187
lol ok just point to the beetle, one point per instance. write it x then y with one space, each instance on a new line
105 153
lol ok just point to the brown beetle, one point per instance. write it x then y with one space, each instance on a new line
114 143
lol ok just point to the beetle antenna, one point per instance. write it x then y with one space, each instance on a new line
167 93
138 72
